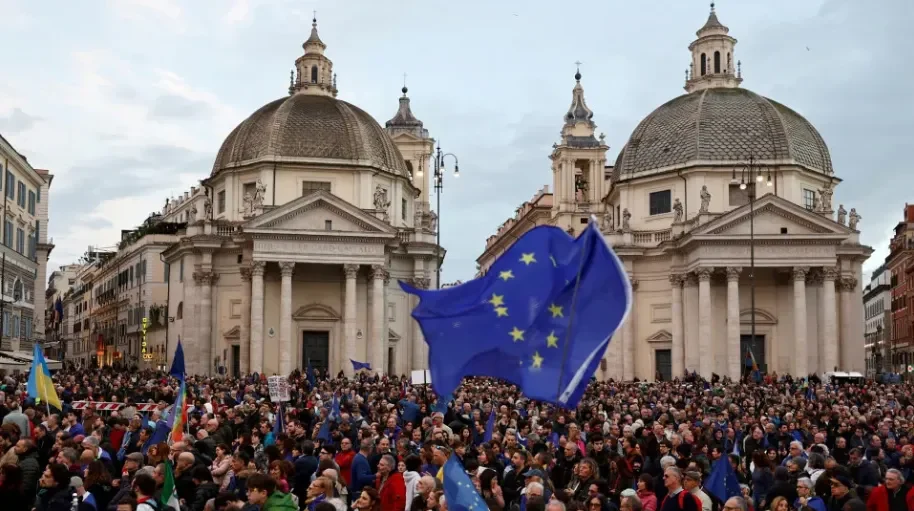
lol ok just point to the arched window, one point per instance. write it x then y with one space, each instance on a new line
704 64
717 62
313 74
180 313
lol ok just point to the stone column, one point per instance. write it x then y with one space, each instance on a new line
733 323
847 286
377 342
418 353
245 334
706 359
800 360
628 341
349 316
257 270
209 349
286 269
828 348
690 339
678 351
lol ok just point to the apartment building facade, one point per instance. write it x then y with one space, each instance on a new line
900 262
877 331
25 248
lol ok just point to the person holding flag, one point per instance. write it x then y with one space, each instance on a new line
40 385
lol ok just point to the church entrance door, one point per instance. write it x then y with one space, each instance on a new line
757 347
315 350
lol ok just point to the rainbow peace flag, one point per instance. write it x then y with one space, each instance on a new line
179 415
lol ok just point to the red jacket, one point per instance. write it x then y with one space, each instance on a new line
879 498
344 460
392 492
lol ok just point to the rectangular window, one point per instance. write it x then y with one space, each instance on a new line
20 198
10 185
403 205
31 202
328 225
660 202
220 202
809 199
7 327
16 326
309 187
8 233
20 241
181 271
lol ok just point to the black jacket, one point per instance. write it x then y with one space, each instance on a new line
31 472
204 492
54 499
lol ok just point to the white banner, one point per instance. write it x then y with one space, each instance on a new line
279 388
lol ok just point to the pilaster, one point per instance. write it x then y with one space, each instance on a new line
377 342
733 324
705 362
351 272
245 331
678 349
257 270
208 350
286 269
800 351
828 344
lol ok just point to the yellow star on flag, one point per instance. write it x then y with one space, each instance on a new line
506 275
528 259
537 360
556 311
517 334
501 311
553 261
497 300
551 340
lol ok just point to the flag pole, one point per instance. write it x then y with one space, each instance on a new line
574 300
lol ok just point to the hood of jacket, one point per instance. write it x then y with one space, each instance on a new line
279 501
410 476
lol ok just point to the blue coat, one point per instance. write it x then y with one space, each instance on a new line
361 475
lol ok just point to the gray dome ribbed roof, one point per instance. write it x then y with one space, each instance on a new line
303 126
721 124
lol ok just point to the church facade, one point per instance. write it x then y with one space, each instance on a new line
294 243
721 206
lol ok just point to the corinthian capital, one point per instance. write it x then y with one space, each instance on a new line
704 274
830 273
733 273
676 279
287 268
378 272
800 272
246 273
351 270
205 278
258 268
420 282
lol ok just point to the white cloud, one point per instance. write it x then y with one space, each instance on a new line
239 12
139 9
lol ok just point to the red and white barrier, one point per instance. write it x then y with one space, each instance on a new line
105 406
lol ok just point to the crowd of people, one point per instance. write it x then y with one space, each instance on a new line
630 446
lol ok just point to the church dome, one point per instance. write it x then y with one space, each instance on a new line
316 127
721 125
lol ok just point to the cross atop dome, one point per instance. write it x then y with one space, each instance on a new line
713 62
314 69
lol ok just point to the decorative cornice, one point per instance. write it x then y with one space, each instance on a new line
773 209
351 271
316 311
342 237
733 273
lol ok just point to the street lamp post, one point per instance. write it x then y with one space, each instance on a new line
438 175
751 176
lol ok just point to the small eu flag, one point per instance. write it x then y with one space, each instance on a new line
541 317
459 491
723 483
358 366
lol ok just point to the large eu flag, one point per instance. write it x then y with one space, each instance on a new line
541 317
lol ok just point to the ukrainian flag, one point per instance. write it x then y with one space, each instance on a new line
40 385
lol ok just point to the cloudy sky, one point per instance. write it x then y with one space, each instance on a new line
127 101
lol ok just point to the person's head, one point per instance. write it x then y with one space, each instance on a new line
320 486
366 447
595 503
736 504
535 490
127 503
691 480
588 469
630 503
804 487
555 505
425 485
840 485
145 485
645 483
260 487
387 465
672 478
55 475
779 504
368 500
893 479
185 461
24 446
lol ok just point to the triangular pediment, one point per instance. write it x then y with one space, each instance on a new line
312 212
392 336
772 214
233 333
316 312
661 336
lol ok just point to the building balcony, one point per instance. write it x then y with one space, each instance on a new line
639 238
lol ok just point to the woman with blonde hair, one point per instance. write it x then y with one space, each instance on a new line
779 504
321 490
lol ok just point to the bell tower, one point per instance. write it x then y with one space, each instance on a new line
414 143
313 70
713 61
578 163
